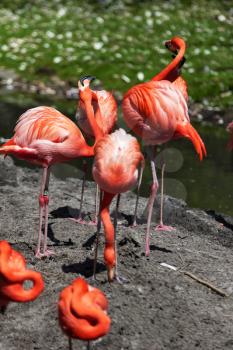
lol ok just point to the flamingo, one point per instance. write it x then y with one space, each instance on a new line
157 112
230 130
82 311
172 73
105 110
115 170
43 136
13 274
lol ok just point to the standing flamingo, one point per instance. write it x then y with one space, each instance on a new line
171 73
115 170
13 274
43 136
157 112
82 311
105 110
230 130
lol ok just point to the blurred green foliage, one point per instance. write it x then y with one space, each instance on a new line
120 42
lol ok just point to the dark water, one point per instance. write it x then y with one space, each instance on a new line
206 184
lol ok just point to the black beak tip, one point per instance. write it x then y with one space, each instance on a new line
89 77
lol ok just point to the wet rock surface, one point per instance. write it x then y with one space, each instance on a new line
159 308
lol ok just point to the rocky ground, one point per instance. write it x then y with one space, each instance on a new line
159 308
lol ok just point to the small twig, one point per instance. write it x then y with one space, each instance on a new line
205 283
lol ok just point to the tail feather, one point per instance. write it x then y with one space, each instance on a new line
20 152
189 132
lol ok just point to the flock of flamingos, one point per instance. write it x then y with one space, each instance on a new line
157 112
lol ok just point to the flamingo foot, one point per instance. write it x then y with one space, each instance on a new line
92 222
162 227
79 221
47 253
121 279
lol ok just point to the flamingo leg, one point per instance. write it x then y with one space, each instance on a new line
79 218
95 221
154 189
43 211
161 226
70 343
97 239
137 198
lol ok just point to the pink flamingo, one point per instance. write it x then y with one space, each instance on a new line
43 136
105 110
157 112
115 170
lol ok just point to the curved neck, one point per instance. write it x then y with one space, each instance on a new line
109 250
174 65
97 132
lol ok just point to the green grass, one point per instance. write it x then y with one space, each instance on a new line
118 42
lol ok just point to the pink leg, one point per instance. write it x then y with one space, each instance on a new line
138 193
43 202
79 218
161 226
95 221
97 239
153 193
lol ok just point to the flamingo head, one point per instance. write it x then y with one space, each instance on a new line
175 44
85 93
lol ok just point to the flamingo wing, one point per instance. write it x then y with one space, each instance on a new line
153 109
41 123
181 84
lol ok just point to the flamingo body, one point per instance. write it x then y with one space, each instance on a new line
82 311
13 274
117 157
44 136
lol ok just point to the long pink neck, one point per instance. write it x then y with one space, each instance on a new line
170 72
97 132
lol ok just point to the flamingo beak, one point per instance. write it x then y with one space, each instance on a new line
86 77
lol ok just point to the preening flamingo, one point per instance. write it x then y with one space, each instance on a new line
105 110
115 170
82 311
43 136
230 130
157 112
13 274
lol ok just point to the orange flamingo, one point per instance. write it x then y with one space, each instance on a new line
115 170
13 274
82 311
44 136
230 130
171 73
105 110
157 112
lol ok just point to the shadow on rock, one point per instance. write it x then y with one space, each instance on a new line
84 268
57 242
65 212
